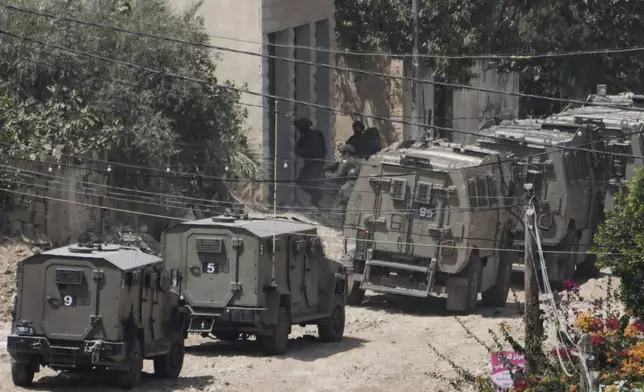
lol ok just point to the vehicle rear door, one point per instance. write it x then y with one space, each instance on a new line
71 293
212 268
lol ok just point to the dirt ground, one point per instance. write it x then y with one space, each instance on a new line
386 348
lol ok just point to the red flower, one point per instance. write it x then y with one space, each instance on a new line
596 324
612 323
596 340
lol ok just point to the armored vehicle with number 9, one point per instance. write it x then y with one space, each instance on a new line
430 219
90 306
251 276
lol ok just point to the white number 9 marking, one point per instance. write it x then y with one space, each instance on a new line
68 300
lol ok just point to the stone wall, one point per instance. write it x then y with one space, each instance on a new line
60 205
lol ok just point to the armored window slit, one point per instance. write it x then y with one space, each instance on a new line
483 192
424 192
398 189
472 192
69 276
209 245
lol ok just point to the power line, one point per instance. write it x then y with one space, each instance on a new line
139 67
516 56
311 63
335 238
65 182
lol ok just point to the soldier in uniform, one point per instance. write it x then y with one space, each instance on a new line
311 147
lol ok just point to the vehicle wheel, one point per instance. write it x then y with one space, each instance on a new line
332 329
498 294
355 295
277 342
228 336
132 378
22 374
169 365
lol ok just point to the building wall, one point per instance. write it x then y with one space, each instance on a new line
468 109
291 23
288 23
368 94
472 108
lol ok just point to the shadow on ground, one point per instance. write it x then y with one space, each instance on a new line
304 348
104 382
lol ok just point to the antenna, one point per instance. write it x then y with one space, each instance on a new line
273 283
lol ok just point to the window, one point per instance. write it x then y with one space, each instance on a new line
472 193
482 192
492 189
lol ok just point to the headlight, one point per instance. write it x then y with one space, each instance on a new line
352 172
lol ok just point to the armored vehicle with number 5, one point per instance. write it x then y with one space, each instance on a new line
89 306
430 219
252 276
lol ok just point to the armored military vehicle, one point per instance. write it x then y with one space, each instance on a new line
622 128
565 162
234 284
430 219
88 306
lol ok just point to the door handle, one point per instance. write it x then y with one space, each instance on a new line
55 302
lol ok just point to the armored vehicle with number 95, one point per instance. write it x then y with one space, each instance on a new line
252 276
434 218
91 306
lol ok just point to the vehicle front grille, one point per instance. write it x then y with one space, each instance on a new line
69 276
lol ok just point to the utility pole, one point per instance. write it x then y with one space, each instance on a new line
532 312
416 87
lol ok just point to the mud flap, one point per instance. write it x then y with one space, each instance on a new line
457 293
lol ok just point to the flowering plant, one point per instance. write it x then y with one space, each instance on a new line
616 342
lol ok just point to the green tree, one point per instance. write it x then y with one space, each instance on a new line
50 97
620 245
502 27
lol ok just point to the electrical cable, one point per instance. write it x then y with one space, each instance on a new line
310 63
516 56
291 100
334 238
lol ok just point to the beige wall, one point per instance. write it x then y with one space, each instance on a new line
371 95
240 19
472 108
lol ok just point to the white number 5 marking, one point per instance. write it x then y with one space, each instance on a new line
210 268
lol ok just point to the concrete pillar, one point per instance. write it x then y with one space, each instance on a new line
325 82
285 87
304 86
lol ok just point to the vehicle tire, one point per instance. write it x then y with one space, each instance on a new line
474 273
355 296
228 336
169 365
332 328
277 342
132 378
22 374
498 294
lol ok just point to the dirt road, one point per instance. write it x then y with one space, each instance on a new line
385 349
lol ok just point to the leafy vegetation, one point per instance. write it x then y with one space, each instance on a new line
50 97
503 26
621 238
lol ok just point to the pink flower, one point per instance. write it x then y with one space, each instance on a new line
569 285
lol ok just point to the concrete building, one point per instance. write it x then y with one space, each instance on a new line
275 28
